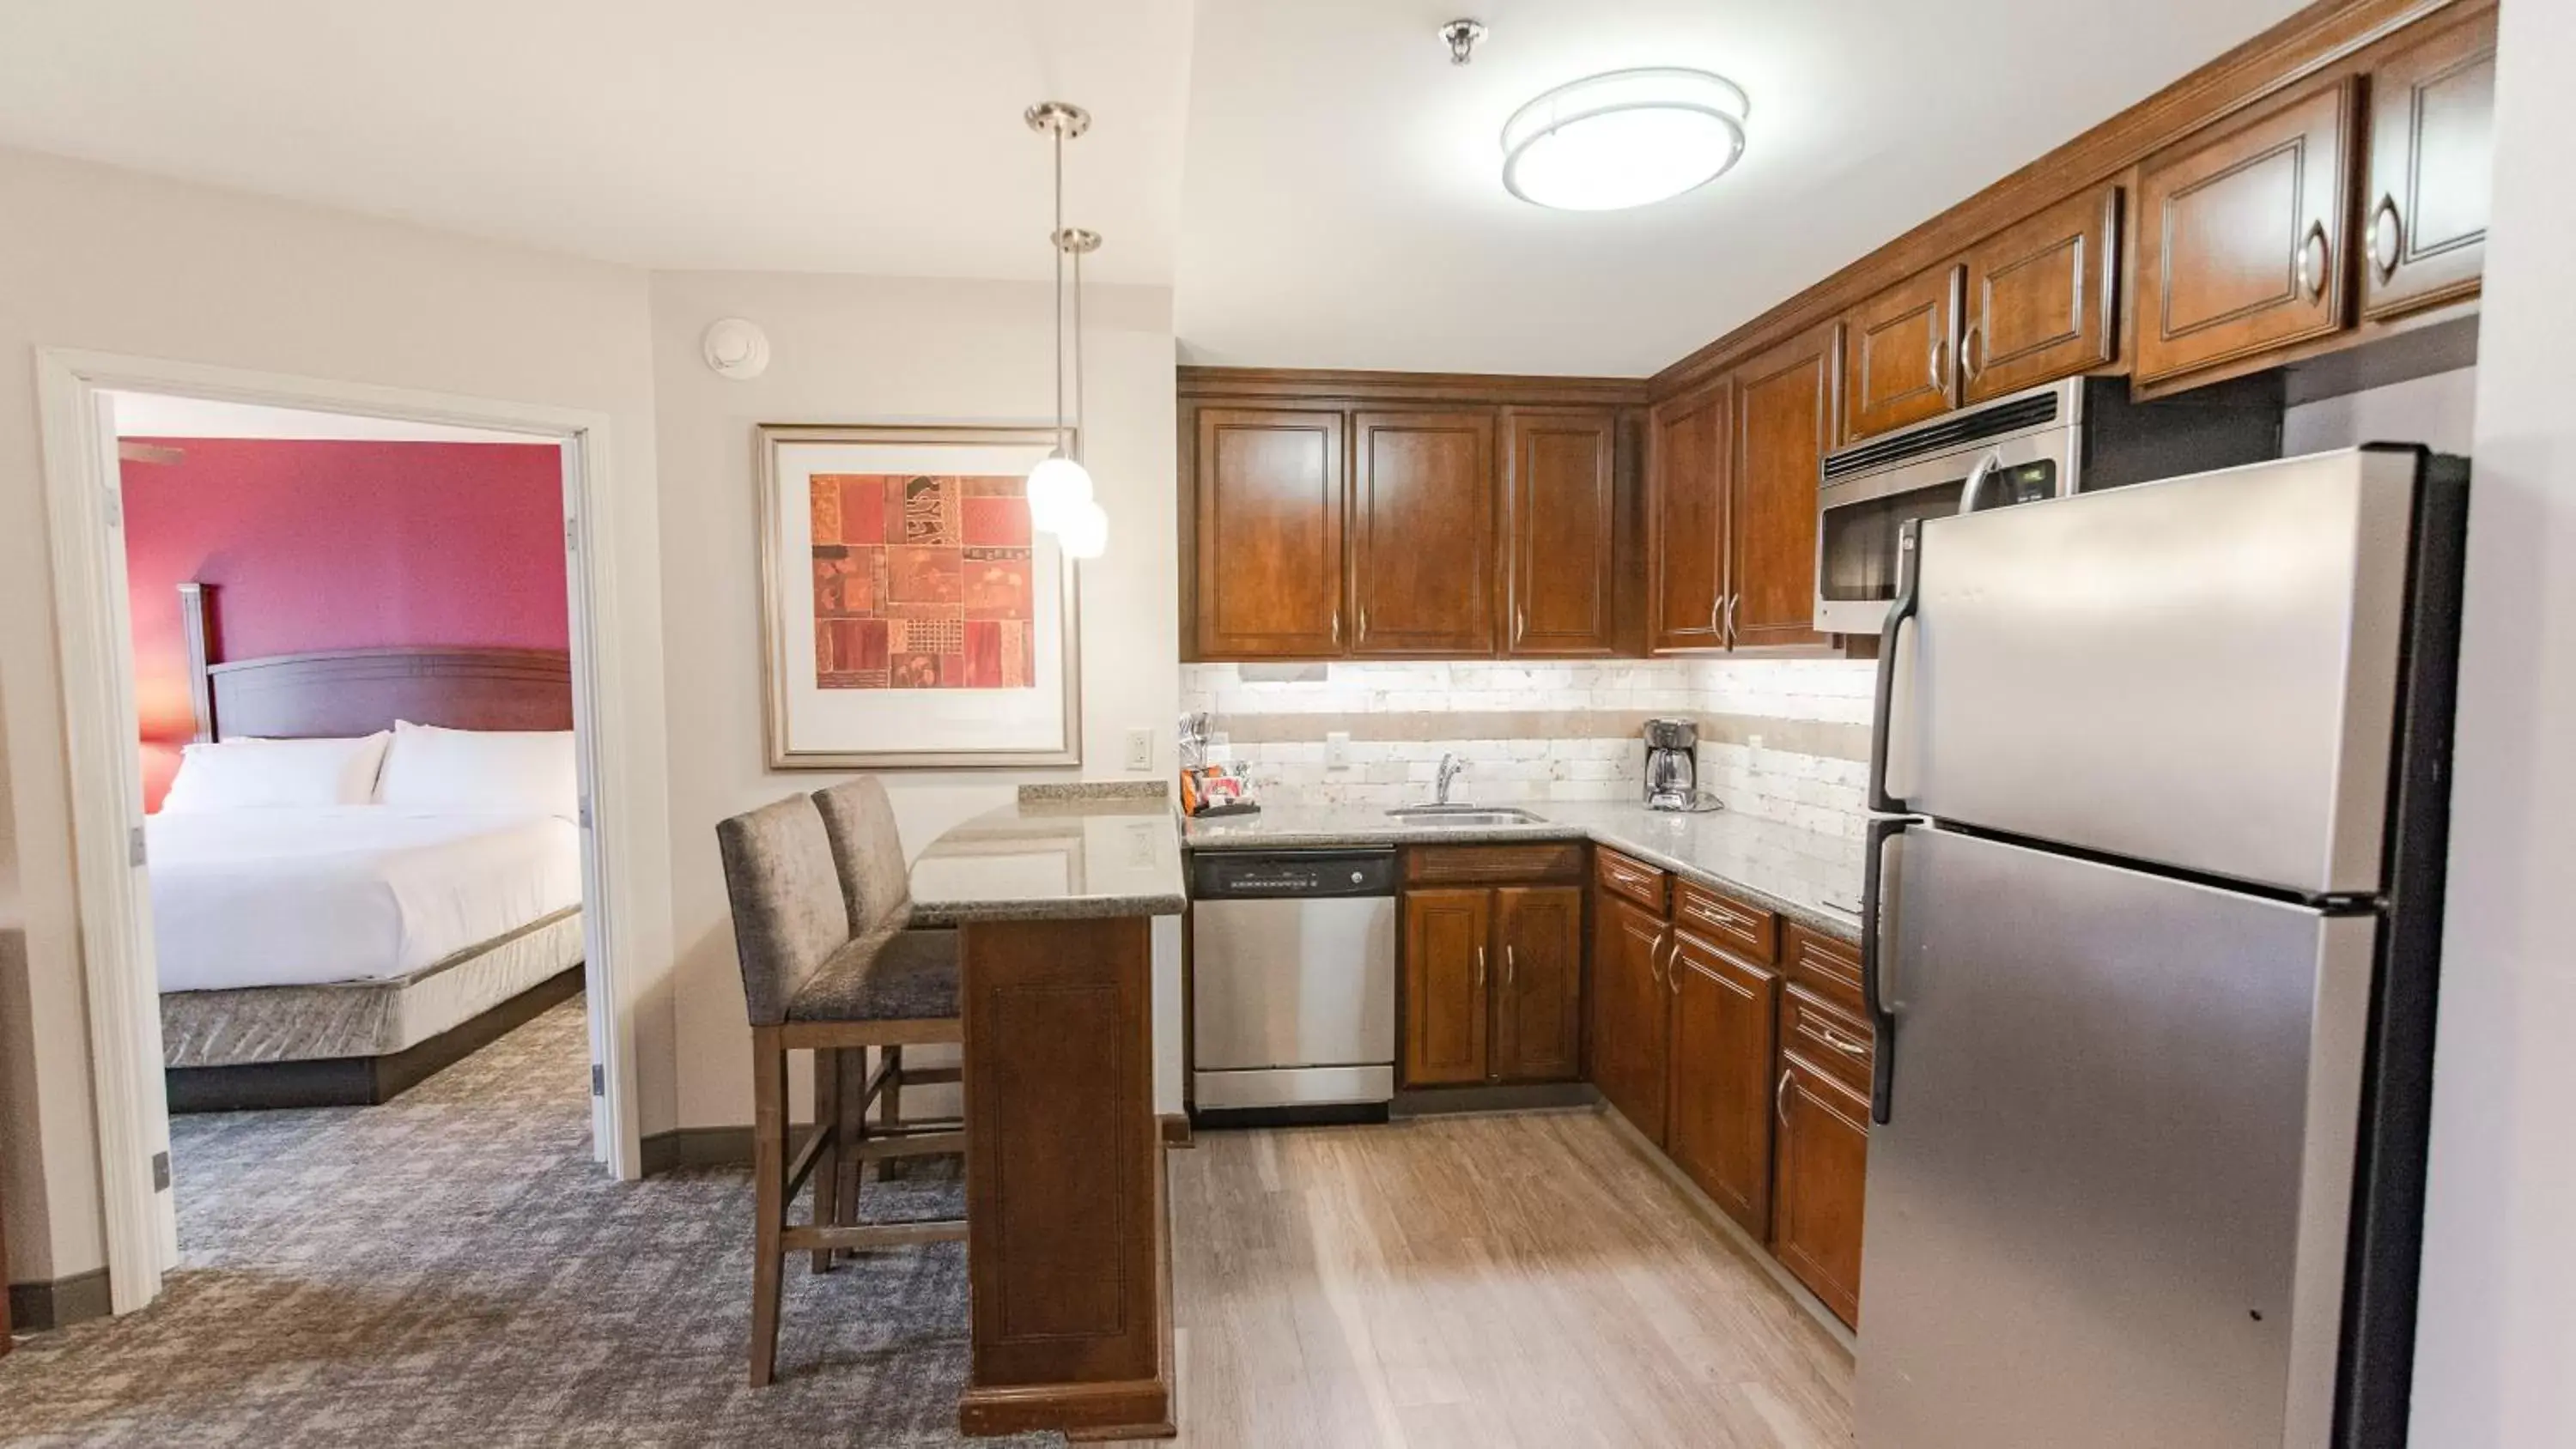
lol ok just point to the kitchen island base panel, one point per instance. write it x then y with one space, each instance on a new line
1068 1244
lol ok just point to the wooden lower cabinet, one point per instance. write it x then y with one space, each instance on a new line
1493 985
1538 1013
1629 1016
1718 1110
1447 940
1820 1166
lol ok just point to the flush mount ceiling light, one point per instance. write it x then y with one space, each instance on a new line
1624 138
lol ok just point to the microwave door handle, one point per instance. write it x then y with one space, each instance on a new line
1974 496
1909 546
1874 890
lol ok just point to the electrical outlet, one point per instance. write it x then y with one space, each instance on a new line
1753 742
1337 749
1140 749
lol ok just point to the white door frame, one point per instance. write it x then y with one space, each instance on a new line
94 641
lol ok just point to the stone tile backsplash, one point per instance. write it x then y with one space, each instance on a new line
1784 740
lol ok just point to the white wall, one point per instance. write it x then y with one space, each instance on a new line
2496 1348
2439 411
859 349
100 259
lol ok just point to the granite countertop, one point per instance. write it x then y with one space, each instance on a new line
1058 856
1810 878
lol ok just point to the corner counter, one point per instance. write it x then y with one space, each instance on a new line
1068 1244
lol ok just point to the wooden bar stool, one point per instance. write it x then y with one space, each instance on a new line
814 983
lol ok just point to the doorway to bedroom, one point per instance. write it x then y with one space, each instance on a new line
352 664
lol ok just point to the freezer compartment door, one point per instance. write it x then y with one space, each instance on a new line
2110 1203
2200 673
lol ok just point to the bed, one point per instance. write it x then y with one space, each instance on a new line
339 954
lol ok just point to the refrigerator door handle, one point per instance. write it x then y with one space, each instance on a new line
1909 545
1875 881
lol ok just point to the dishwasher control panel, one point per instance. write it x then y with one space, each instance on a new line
1290 874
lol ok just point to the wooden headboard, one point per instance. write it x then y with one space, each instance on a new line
344 692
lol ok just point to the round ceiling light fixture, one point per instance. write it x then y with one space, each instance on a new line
1624 138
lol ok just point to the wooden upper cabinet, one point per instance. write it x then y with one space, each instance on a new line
1538 1013
1718 1128
2041 298
2241 245
1628 1011
1686 502
1900 358
1422 533
1446 974
1818 1181
2432 119
1784 425
1562 580
1268 496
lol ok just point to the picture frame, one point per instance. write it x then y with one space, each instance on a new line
910 617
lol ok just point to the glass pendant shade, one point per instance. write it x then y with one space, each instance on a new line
1085 533
1627 138
1058 488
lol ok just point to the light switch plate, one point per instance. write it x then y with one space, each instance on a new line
1140 749
1337 749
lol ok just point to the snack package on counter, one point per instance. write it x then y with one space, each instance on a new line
1215 790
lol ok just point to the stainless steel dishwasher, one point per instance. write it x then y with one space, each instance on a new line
1292 959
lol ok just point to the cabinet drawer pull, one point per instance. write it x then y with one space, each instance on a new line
2316 254
2387 237
1780 1099
1840 1042
1716 917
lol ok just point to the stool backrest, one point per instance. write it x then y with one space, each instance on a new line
788 914
868 852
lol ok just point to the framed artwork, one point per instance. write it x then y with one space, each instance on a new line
910 617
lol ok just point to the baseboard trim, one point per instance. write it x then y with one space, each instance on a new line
1176 1130
696 1147
1526 1097
1122 1409
60 1303
1733 1231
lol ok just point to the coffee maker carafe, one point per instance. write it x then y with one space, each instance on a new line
1672 772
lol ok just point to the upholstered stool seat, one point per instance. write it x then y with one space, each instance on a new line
822 918
904 975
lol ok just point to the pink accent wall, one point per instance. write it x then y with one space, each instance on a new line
335 545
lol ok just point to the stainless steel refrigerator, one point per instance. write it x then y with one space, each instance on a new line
2151 947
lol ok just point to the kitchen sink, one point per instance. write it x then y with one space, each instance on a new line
1463 815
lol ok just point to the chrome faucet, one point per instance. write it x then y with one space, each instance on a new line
1450 765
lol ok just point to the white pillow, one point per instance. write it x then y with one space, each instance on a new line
276 774
438 771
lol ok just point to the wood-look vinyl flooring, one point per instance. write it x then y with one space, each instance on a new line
1487 1281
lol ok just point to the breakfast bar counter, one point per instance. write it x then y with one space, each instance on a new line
1068 1239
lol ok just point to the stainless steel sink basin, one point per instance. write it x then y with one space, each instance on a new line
1463 815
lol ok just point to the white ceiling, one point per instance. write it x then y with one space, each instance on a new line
1342 204
876 136
1316 181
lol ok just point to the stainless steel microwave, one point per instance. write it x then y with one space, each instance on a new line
2078 435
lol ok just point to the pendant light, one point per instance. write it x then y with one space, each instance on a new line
1059 488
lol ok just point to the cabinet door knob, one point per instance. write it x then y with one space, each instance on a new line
2315 255
2387 237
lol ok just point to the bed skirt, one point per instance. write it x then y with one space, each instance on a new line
256 1025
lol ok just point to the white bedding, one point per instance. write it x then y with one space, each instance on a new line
301 897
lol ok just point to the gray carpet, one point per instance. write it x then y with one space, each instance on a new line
451 1268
